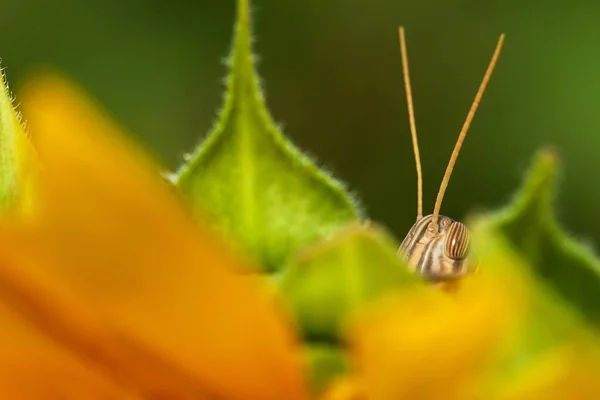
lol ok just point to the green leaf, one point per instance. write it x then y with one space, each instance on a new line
15 155
328 283
528 224
325 363
255 185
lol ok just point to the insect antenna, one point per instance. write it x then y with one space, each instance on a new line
413 127
463 132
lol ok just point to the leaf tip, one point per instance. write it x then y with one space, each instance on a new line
548 158
243 12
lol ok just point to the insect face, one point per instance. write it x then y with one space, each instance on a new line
437 247
437 254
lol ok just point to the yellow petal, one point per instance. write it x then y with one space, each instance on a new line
112 269
428 345
567 372
345 388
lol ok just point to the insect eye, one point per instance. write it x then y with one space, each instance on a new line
457 241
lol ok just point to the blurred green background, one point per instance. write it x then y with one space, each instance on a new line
332 74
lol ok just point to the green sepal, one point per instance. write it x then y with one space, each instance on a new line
328 283
257 187
325 363
16 156
556 259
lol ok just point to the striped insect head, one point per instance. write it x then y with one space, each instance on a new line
437 252
436 246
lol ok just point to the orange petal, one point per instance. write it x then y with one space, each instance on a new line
33 367
113 269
